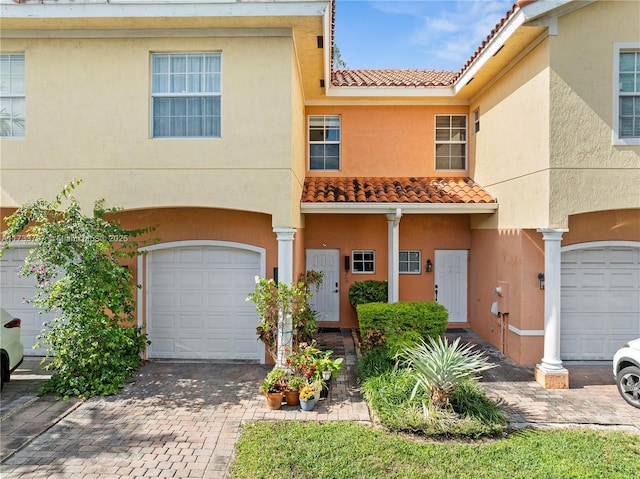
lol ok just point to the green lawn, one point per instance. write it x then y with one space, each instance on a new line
342 450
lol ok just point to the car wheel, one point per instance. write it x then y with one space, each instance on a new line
4 372
628 381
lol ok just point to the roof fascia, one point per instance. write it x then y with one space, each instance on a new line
390 92
167 8
149 33
559 8
408 208
494 45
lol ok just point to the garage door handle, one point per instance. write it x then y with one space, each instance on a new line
336 290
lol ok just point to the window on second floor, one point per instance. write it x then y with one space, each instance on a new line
451 142
324 142
186 90
12 95
626 117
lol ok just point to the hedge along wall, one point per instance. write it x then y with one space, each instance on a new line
401 323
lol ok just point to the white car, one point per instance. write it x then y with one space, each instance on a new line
11 348
626 370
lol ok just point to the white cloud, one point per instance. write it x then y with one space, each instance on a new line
449 31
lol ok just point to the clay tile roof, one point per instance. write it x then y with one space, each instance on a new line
393 190
393 78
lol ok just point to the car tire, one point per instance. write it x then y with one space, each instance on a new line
4 372
628 381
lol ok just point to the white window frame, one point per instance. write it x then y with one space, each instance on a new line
476 120
185 94
617 49
409 262
464 142
9 95
363 261
325 142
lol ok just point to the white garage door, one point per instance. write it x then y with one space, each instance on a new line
600 301
196 303
12 291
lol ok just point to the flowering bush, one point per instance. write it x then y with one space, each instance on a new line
76 264
306 393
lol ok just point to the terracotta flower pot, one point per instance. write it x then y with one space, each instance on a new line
292 398
274 400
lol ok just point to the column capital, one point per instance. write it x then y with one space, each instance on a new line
549 234
285 234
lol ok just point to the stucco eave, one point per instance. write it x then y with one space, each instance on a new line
386 208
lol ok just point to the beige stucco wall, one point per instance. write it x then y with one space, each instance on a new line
511 148
589 173
88 116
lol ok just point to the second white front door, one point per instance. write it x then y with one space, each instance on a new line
326 299
451 283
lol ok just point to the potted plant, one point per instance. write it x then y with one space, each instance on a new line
273 388
292 394
307 398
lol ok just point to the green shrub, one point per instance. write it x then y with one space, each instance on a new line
401 325
374 361
370 291
472 414
76 264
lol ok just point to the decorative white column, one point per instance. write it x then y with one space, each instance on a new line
393 252
285 275
550 373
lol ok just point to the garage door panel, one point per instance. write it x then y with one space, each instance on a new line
600 301
14 290
213 320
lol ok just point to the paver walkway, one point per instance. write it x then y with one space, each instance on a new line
174 419
182 419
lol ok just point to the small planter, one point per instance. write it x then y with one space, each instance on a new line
292 398
308 405
274 400
326 375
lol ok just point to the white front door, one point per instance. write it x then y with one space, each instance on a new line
326 300
451 283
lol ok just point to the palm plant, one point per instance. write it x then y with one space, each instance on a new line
440 367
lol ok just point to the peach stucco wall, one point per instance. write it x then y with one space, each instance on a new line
512 260
616 225
387 140
417 232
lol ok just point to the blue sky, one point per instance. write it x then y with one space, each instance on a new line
424 34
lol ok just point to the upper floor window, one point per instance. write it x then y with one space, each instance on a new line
324 142
186 90
451 142
626 116
12 95
476 120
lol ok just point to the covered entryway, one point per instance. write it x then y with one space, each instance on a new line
197 306
600 299
14 290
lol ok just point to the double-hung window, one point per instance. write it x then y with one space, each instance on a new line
626 92
12 95
324 142
451 142
186 90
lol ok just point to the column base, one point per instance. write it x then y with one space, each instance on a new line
551 379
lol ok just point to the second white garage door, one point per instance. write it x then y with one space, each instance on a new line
600 301
196 303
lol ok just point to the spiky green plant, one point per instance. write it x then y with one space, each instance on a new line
440 367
